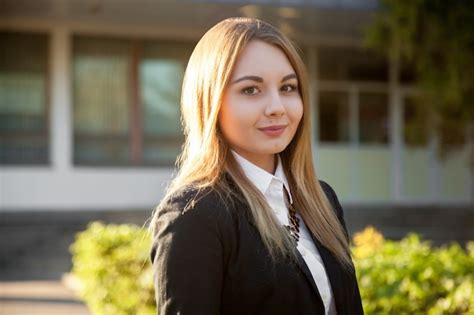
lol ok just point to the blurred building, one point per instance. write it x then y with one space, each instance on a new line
90 129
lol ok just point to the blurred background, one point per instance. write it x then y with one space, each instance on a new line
90 127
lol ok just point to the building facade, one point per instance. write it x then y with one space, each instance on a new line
89 111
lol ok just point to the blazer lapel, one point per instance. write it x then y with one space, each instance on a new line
330 266
304 268
301 264
333 271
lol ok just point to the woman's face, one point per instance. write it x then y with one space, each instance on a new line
261 107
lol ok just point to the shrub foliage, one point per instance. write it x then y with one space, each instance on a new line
395 277
411 277
112 264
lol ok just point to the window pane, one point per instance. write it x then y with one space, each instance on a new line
334 116
23 110
415 122
373 118
161 73
101 98
337 63
407 72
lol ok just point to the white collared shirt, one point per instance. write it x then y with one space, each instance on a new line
271 186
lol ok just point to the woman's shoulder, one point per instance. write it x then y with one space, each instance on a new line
185 197
332 197
194 203
193 196
190 216
327 188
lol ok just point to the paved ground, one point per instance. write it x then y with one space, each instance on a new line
39 298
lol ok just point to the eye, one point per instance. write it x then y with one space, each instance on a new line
289 87
251 90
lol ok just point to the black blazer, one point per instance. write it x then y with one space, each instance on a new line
209 259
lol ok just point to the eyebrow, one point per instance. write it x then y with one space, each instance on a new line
260 80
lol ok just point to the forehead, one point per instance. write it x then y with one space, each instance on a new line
263 59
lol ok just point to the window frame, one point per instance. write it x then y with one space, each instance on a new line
136 136
45 132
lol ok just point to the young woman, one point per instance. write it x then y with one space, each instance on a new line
245 226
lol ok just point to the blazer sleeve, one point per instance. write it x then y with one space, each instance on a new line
187 256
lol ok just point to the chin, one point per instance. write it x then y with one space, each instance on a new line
277 148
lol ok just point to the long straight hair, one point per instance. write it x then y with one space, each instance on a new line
205 158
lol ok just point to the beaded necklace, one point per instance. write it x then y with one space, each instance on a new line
294 223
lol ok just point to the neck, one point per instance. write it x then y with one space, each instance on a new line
269 164
266 162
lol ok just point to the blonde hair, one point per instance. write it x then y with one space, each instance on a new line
206 158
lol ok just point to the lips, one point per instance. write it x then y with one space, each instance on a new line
273 131
273 128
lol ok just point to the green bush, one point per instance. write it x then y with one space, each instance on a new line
405 277
112 265
411 277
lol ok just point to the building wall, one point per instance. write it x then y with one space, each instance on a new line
380 179
362 173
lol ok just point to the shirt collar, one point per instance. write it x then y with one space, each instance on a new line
261 178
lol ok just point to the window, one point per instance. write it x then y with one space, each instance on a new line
161 74
23 98
353 114
101 98
415 122
358 121
334 117
126 101
373 118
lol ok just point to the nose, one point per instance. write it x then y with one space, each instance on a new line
275 105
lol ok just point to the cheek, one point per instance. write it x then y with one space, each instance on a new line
297 112
237 116
233 122
301 113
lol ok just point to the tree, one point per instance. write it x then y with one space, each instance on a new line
436 37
